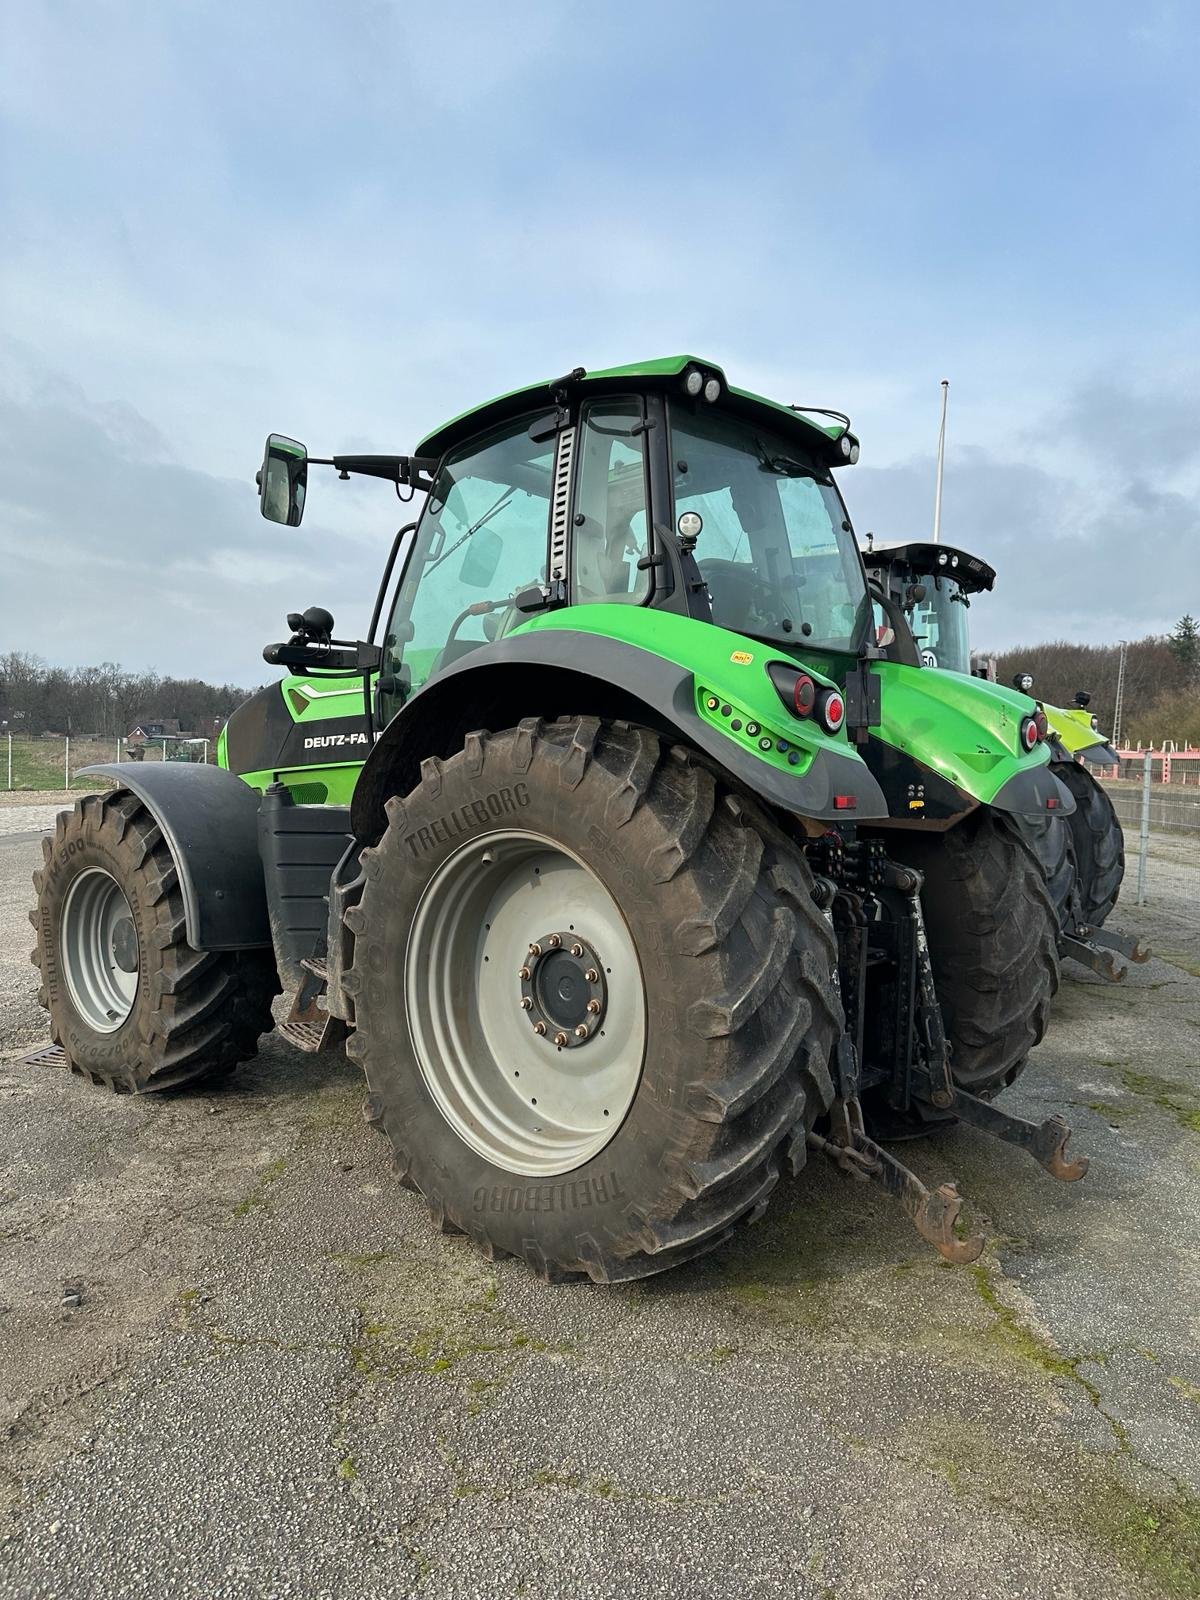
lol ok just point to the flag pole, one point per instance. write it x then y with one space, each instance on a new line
941 461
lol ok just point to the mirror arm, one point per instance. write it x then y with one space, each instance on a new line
407 471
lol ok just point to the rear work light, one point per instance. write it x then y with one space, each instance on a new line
795 688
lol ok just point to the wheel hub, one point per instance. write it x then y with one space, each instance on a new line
125 945
563 992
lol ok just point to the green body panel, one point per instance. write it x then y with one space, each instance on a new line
965 729
726 666
313 701
1073 725
640 373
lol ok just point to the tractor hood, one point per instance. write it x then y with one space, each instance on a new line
946 741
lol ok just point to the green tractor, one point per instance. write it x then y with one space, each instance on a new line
928 588
621 858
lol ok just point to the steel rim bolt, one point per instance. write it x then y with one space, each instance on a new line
560 1039
539 1027
576 949
581 1032
526 1003
592 975
593 1006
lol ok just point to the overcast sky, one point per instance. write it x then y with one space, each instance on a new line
347 222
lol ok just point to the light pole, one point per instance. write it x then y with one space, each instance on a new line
941 462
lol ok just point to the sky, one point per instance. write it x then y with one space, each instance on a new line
347 223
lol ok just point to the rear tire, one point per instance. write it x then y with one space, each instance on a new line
1098 843
993 944
725 1017
131 1004
1049 842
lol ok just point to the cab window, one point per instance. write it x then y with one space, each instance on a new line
610 533
482 540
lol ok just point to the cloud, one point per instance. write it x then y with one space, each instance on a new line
110 550
1093 551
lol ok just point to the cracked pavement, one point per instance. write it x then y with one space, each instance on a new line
280 1381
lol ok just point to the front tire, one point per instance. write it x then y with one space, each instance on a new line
132 1005
704 1060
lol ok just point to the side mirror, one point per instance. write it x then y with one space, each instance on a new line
283 480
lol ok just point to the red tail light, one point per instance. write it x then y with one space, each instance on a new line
1029 732
832 711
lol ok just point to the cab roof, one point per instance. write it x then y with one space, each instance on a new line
820 437
923 558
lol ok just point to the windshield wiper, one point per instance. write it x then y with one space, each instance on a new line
784 466
474 528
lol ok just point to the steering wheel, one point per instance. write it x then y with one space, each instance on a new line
736 587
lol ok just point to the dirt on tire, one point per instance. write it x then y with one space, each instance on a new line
738 971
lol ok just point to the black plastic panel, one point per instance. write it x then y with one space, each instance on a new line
299 847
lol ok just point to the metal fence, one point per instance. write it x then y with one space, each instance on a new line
1156 796
54 761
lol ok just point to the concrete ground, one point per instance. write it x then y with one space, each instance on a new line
279 1381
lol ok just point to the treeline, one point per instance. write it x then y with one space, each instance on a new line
106 700
1161 698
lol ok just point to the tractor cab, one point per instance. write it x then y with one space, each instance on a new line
930 587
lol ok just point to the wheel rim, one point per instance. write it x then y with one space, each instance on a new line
495 1005
98 949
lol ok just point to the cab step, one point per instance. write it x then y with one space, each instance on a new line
309 1025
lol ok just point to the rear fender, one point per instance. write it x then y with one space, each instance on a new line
559 671
209 820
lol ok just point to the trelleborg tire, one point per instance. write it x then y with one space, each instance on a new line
1097 841
993 945
594 1000
131 1004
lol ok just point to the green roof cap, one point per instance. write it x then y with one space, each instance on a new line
641 374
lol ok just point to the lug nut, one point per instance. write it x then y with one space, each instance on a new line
539 1027
592 975
553 941
581 1032
524 974
560 1039
576 949
526 1003
535 949
593 1006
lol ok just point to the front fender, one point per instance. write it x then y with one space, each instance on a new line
209 820
556 668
